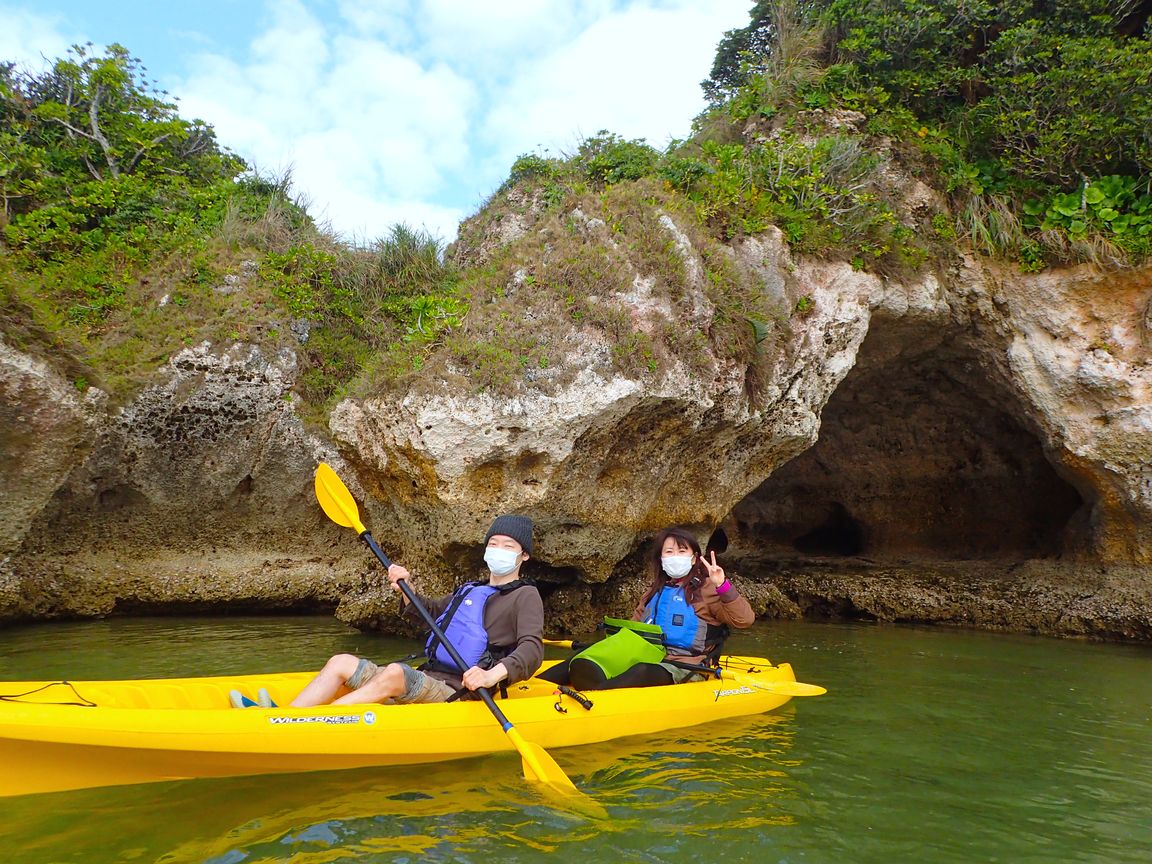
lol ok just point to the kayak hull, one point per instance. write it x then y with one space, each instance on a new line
149 731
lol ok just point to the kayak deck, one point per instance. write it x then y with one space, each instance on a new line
70 735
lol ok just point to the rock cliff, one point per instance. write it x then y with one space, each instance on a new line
969 445
193 497
978 430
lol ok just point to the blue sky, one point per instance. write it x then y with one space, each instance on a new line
402 110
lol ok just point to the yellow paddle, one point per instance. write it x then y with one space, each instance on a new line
339 505
781 688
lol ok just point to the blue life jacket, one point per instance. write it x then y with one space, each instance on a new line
682 627
462 621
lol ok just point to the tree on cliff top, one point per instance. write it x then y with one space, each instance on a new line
72 136
115 122
1054 89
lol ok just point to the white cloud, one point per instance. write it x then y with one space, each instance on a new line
413 110
345 188
32 40
493 39
478 35
368 132
391 20
636 73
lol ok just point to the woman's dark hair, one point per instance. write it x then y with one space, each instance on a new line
696 576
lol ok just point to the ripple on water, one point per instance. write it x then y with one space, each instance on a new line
937 746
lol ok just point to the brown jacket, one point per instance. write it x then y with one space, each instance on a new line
731 608
512 619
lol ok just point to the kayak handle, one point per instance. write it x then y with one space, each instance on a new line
584 701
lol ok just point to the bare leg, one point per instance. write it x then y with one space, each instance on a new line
385 684
328 682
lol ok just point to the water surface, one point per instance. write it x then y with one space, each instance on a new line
931 746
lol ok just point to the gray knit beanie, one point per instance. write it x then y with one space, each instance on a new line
519 528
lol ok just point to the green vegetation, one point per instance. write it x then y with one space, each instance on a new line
598 257
1023 111
128 233
1038 153
822 192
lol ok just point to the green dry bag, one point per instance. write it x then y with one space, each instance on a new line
620 651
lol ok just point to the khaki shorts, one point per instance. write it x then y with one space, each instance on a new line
418 687
680 675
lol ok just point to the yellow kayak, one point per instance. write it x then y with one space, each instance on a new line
57 735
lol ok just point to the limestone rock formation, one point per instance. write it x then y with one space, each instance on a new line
970 445
976 421
196 495
46 429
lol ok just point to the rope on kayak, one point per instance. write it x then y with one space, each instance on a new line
741 665
18 697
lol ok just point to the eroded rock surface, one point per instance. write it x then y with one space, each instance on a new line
968 446
195 496
974 415
46 429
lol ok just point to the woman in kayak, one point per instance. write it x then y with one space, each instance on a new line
692 602
497 626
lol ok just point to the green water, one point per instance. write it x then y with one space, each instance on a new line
932 746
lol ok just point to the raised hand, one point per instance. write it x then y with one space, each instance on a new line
715 571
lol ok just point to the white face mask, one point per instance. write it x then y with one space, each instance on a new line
676 566
501 561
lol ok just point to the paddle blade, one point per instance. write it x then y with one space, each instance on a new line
335 499
539 767
781 688
794 688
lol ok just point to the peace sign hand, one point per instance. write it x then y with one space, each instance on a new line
715 571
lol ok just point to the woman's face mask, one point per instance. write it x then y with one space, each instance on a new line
501 561
677 566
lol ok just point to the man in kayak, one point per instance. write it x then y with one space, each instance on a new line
497 626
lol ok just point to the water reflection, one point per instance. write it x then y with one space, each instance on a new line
932 745
461 811
118 648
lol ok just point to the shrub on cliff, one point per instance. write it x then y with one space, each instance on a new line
820 189
93 153
1020 103
128 233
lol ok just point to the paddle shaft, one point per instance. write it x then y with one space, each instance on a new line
567 643
783 688
410 595
710 671
339 506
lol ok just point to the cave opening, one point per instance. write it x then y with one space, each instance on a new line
923 455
